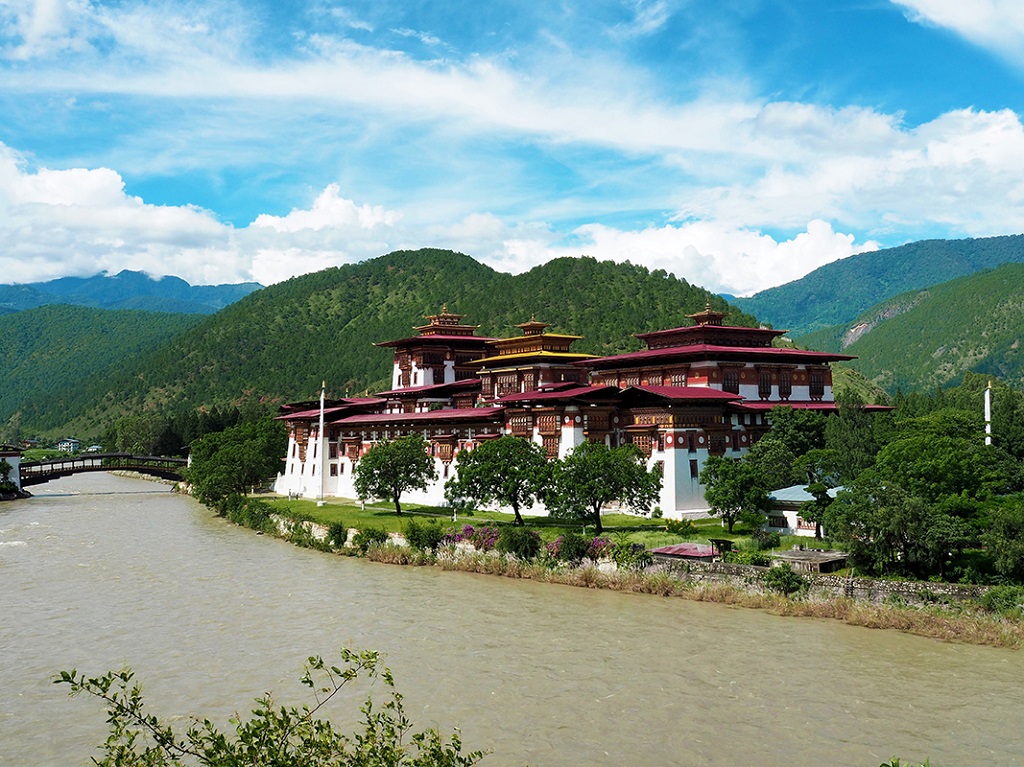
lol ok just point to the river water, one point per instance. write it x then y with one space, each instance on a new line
97 571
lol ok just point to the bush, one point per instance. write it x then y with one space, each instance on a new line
371 536
632 556
1004 600
766 540
424 537
758 558
337 534
571 547
521 542
681 527
481 538
248 512
783 580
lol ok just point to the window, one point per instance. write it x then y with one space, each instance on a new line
731 380
694 471
785 384
817 384
764 384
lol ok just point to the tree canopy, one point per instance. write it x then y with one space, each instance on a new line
734 490
509 470
391 467
236 459
594 475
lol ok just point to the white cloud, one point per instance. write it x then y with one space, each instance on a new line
963 170
80 222
713 255
994 24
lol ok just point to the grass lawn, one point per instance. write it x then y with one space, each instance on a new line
621 528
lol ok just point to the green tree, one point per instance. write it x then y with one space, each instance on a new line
774 461
1005 540
799 430
890 531
851 437
282 736
509 470
734 490
236 459
391 467
594 475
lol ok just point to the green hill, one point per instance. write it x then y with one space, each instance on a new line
279 343
928 338
838 293
125 290
47 355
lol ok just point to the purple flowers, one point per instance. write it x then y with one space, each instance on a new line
481 538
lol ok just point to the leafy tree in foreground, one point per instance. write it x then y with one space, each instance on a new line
594 475
734 490
509 470
236 459
283 736
391 467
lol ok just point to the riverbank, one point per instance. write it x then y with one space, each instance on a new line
964 622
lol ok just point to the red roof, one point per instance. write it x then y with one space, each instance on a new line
708 351
467 383
686 392
760 406
351 404
578 391
435 337
441 416
687 550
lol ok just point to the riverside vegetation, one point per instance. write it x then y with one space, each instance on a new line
924 502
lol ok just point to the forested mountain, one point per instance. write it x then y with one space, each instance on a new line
277 344
48 353
838 293
929 338
125 290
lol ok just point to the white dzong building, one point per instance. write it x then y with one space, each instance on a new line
695 391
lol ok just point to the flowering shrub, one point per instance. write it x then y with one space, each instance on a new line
481 538
600 547
521 542
571 548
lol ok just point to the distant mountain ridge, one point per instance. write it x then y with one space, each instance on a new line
840 292
279 343
931 337
125 290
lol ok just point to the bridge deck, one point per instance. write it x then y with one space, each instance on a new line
38 472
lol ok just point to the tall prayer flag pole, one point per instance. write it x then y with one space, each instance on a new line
988 414
322 444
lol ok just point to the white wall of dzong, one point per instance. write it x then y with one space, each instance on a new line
681 495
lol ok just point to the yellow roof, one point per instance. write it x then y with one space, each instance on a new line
542 354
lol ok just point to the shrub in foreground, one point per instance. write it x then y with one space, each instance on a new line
521 542
424 536
783 580
1004 600
286 736
370 536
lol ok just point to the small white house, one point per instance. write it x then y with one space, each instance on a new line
69 445
784 510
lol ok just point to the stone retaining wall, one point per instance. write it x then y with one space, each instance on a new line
864 589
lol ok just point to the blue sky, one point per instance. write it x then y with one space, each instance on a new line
737 143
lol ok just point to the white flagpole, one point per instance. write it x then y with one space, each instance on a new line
322 444
988 414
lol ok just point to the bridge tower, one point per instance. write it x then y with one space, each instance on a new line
12 455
